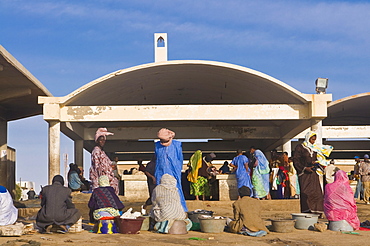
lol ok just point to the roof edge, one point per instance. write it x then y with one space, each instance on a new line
303 97
15 63
342 100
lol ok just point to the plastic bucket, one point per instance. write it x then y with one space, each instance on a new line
107 227
193 215
305 221
283 226
341 225
129 226
212 225
76 227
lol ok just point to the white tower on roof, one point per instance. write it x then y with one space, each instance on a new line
160 47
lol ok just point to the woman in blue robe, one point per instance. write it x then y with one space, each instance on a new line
261 175
169 160
240 162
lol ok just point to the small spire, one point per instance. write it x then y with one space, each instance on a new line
160 47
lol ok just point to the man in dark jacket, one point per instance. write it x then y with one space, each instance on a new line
56 207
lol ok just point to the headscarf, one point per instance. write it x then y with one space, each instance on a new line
195 162
2 189
339 202
168 181
104 181
261 176
102 132
59 179
263 163
322 151
210 157
166 136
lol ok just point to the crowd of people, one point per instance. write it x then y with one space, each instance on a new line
320 185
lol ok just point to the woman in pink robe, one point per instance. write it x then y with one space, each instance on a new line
339 202
100 162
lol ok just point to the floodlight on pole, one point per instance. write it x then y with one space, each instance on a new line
321 85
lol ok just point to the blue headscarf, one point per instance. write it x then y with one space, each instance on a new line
263 163
2 189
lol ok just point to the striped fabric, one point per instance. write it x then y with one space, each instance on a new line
166 201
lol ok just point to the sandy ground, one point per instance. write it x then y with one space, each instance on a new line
297 237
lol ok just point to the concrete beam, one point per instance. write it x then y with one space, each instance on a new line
341 132
73 130
14 93
288 129
225 132
148 146
351 146
177 112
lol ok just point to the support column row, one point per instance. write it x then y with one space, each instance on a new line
3 152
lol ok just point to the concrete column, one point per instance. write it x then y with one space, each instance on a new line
316 126
287 147
3 152
54 149
78 152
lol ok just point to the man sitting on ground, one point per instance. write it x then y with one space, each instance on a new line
56 207
247 215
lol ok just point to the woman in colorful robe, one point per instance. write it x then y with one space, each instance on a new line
169 160
103 201
339 202
308 160
198 176
261 174
100 162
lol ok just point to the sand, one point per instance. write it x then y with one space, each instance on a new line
297 237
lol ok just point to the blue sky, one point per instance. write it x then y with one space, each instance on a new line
66 44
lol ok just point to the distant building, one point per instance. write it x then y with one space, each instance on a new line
25 186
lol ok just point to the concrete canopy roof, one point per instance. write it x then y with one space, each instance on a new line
349 111
188 83
185 82
19 89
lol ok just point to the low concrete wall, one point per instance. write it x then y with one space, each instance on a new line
27 212
135 187
227 187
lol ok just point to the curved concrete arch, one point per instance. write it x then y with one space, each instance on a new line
351 110
183 82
